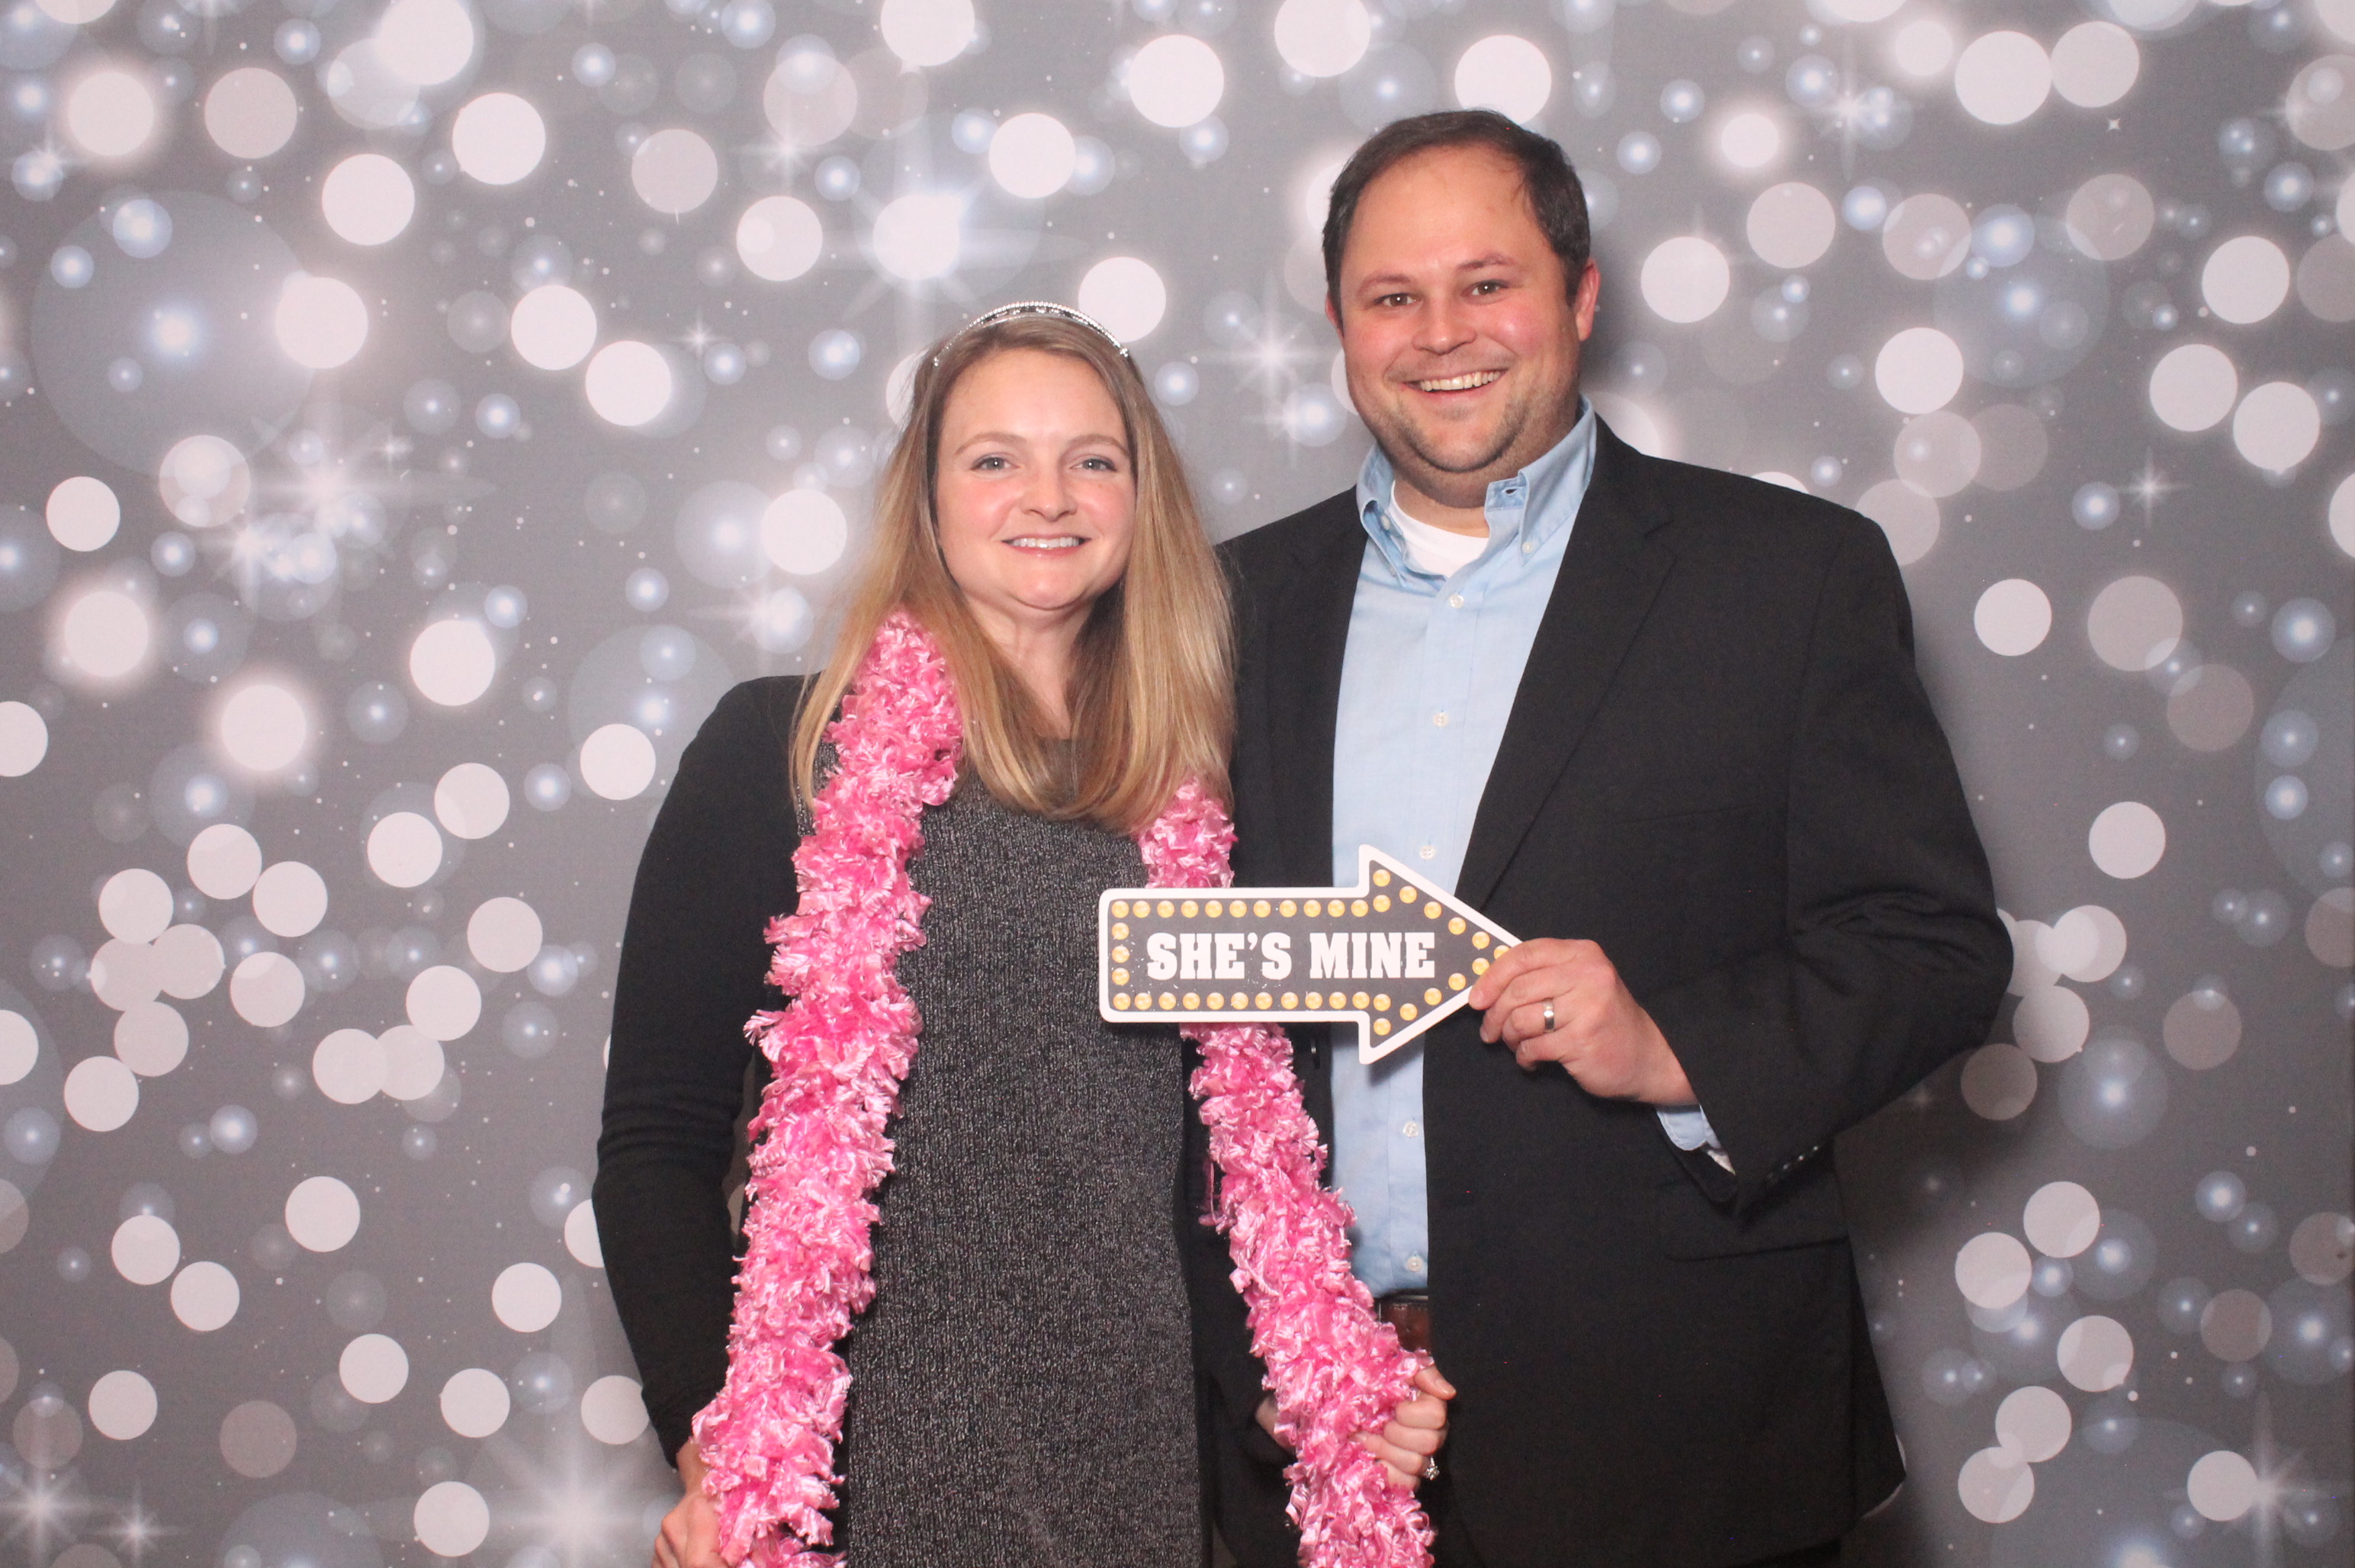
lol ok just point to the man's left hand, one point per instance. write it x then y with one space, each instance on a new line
1600 1035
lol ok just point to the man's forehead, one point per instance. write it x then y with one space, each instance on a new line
1425 212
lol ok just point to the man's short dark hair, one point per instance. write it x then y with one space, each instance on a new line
1557 199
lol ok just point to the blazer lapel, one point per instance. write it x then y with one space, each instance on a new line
1307 636
1610 573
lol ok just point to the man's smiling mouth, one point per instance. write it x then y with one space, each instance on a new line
1463 383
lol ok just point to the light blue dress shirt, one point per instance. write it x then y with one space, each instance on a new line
1427 684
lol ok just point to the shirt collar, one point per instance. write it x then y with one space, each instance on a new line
1534 505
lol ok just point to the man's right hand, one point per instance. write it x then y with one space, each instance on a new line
689 1537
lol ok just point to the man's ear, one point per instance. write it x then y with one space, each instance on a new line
1583 304
1332 313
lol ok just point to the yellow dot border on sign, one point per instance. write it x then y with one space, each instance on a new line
1382 1002
1456 982
1165 909
1120 954
1261 909
1313 1001
1263 1001
1479 965
1213 1001
1119 908
1288 908
1169 1001
1455 926
1357 906
1431 910
1120 1003
1145 999
1431 997
1381 878
1120 928
1382 1026
1120 976
1406 1012
1312 909
1360 1000
1239 1000
1479 939
1382 904
1189 908
1406 894
1192 1000
1291 1001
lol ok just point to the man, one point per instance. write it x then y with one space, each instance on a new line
1663 723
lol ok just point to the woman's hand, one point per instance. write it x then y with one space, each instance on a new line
1415 1431
689 1537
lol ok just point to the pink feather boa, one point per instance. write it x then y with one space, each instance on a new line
841 1048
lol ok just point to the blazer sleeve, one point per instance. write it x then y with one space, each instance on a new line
717 867
1894 958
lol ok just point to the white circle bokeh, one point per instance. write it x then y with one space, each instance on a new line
1176 80
526 1297
1125 294
2126 840
2002 78
1685 279
1323 37
322 1213
498 139
1507 74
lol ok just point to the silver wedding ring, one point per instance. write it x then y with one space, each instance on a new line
1549 1018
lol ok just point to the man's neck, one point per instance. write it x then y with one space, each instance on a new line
1427 508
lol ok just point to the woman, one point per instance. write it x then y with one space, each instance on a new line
1020 1385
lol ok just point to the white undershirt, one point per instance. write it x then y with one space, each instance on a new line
1439 552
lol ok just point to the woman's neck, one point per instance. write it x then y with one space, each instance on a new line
1043 656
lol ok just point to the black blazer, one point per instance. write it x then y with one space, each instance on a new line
1721 766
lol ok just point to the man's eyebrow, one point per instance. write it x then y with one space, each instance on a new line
1387 280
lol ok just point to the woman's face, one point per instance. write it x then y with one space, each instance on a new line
1036 491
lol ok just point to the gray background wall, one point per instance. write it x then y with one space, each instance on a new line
346 641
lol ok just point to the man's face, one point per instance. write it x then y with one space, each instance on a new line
1459 328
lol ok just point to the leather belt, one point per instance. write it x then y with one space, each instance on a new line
1409 1312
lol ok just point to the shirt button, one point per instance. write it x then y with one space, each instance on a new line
1415 1265
1528 546
1427 851
1455 601
1440 720
1412 1129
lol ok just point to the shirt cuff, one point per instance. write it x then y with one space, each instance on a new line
1688 1127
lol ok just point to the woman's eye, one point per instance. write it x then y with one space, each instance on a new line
1100 464
992 464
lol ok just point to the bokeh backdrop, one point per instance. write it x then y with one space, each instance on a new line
413 416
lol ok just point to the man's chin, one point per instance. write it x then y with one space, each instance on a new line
1461 464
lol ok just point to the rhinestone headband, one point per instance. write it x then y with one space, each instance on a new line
1033 307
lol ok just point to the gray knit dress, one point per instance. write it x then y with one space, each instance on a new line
1022 1386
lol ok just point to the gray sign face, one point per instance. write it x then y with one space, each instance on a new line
1392 953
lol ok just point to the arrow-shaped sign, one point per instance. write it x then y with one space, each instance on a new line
1393 954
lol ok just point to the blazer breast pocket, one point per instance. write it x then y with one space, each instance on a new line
1807 1213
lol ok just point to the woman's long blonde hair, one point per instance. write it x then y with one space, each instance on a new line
1151 702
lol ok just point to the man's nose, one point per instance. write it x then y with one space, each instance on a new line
1442 325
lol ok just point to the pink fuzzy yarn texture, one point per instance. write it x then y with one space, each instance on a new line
841 1048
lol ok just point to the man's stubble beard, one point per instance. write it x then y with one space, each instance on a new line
1436 478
